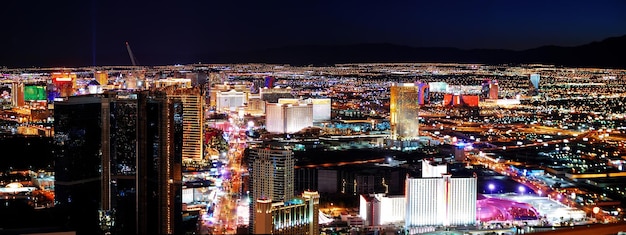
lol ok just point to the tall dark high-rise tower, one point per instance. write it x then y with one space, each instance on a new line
119 162
78 138
159 184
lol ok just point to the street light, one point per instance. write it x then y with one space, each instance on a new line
521 189
595 211
491 188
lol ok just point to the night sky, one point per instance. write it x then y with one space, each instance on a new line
93 32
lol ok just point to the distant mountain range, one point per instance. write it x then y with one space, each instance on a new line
608 53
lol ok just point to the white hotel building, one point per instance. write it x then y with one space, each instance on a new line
321 107
435 199
230 100
440 201
380 209
288 118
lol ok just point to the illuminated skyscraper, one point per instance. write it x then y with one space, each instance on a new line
272 173
431 168
493 90
380 209
423 93
240 92
288 118
298 215
321 109
193 120
101 77
534 84
230 100
404 112
17 93
440 201
271 176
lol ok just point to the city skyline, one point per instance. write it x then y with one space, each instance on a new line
531 145
94 32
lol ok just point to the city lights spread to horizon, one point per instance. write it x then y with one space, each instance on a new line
313 118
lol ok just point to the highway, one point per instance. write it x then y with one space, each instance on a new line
596 229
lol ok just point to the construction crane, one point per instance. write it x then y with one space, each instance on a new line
133 80
130 53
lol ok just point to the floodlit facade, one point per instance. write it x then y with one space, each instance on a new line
272 173
193 120
288 101
404 112
226 88
296 216
493 90
230 100
288 118
440 201
534 84
381 209
271 176
102 77
321 107
178 82
256 106
431 168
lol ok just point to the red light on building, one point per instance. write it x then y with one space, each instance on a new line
460 100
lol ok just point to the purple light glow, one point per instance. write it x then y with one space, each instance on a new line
496 209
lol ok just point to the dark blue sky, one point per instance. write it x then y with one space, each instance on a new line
69 32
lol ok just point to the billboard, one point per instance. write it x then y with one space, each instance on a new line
34 93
